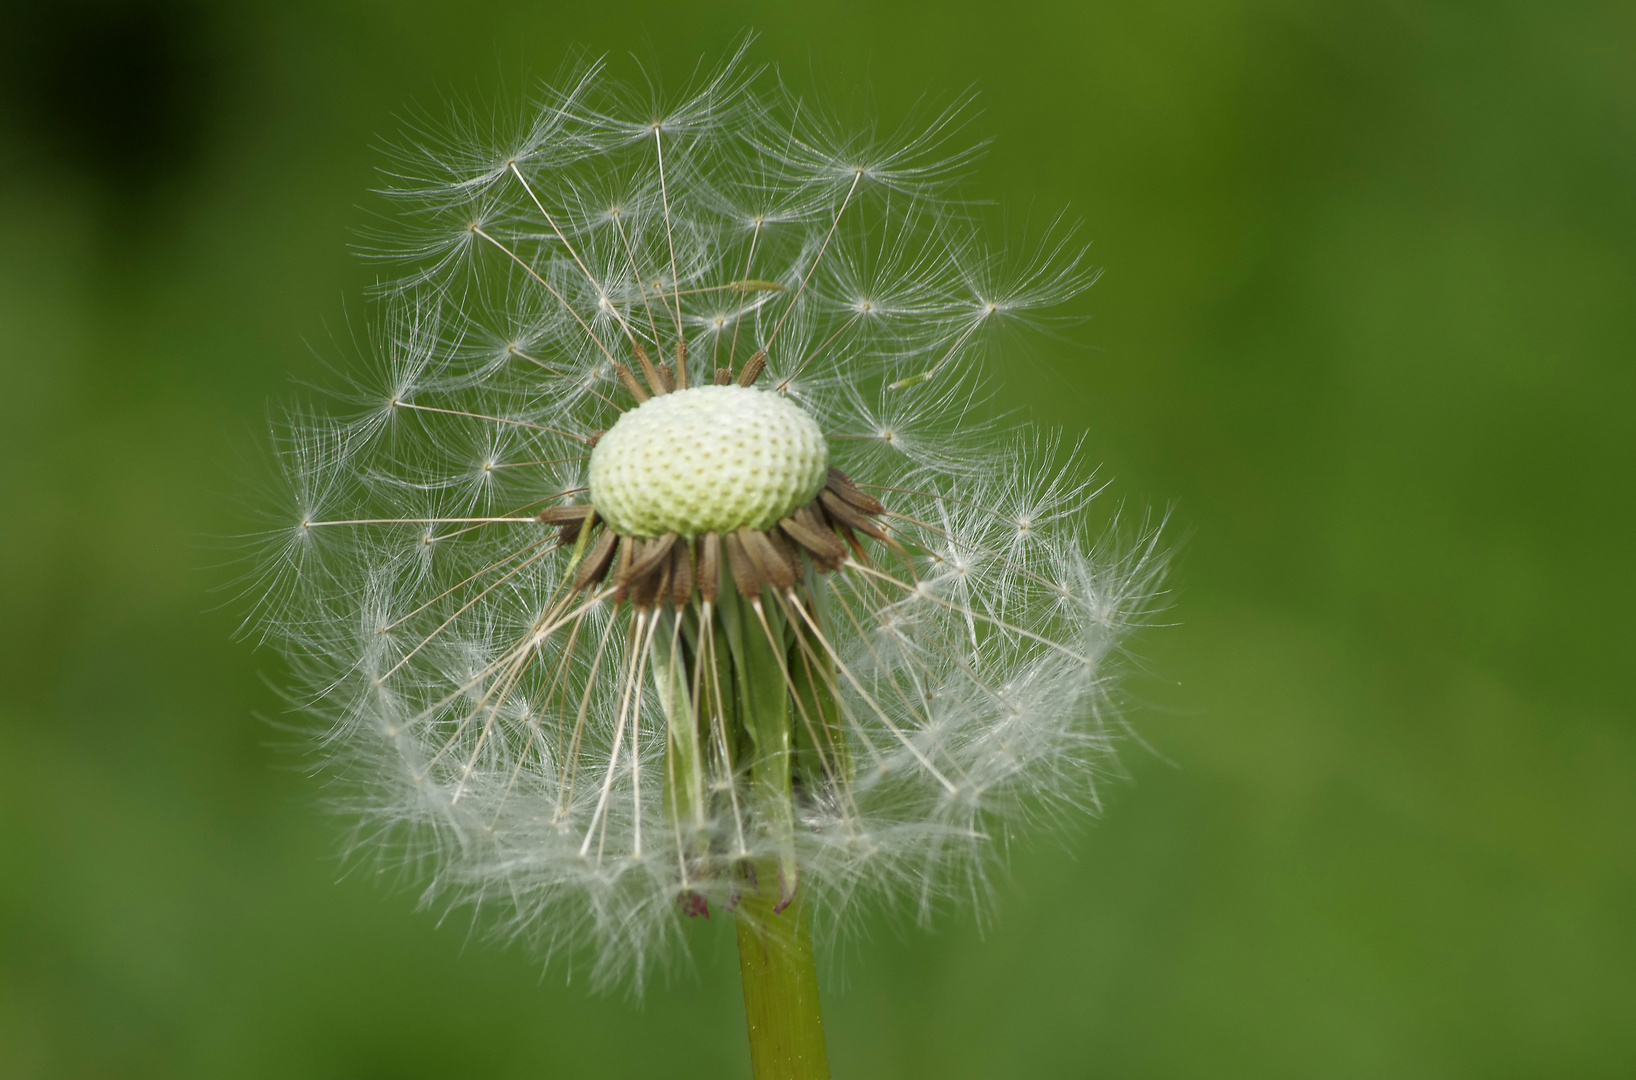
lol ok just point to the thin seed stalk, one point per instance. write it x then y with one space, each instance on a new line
780 982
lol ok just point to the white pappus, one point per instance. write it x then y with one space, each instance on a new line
594 656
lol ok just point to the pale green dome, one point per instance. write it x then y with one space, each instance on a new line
707 459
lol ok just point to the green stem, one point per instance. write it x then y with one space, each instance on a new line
780 983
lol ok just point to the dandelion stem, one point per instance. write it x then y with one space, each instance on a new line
780 983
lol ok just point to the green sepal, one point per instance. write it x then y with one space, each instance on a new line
686 792
823 758
764 708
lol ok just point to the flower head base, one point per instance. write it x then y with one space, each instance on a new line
707 459
670 555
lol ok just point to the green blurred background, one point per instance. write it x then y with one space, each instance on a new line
1367 321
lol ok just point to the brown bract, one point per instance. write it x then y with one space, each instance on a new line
671 570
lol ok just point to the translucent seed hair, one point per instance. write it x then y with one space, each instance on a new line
664 547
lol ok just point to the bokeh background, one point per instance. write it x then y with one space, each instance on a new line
1368 322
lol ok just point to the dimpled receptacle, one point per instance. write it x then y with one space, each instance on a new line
707 459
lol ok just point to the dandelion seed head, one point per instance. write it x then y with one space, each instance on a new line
665 531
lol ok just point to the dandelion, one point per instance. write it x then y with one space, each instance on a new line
665 566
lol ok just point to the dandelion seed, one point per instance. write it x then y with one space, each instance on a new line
674 570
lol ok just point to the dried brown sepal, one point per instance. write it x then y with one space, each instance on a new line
769 563
845 513
681 364
826 549
788 551
752 368
745 575
661 580
562 515
571 518
597 562
628 380
649 586
649 372
854 543
667 375
842 485
724 375
681 574
623 557
652 554
813 517
709 567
